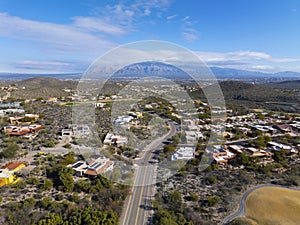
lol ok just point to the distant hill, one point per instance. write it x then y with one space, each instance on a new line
235 90
294 84
226 73
245 96
22 76
44 87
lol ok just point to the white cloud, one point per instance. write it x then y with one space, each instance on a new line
54 37
248 55
126 15
233 56
249 60
98 25
147 12
185 18
263 67
52 66
190 34
171 17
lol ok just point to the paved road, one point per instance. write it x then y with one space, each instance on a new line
137 208
241 210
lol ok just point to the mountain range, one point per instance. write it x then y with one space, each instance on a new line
166 70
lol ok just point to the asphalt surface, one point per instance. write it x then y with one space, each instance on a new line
137 208
241 210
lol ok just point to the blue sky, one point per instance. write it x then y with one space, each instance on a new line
66 36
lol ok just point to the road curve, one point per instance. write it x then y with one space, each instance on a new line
241 210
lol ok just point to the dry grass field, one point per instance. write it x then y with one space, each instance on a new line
274 206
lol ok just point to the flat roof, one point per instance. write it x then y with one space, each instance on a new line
5 173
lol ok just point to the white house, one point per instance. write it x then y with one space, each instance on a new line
184 153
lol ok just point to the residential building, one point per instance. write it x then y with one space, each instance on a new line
26 119
184 153
4 112
123 120
22 130
223 157
7 177
14 166
101 165
285 128
237 149
93 168
113 139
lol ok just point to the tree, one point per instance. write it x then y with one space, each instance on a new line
260 142
194 197
66 178
47 185
175 200
10 151
212 201
46 202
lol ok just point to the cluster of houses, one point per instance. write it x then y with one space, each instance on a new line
10 108
23 126
271 125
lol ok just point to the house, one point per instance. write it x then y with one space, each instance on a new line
92 168
138 115
223 157
4 112
237 149
14 166
296 127
255 152
123 120
26 119
279 146
7 177
51 100
112 139
193 136
10 105
66 132
99 105
80 167
285 128
75 130
101 165
184 153
22 130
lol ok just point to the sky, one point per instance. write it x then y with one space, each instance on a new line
63 36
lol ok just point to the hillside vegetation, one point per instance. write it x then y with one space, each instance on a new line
295 84
43 87
245 96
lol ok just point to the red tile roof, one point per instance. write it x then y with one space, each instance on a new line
12 165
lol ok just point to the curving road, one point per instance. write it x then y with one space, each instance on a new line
241 210
137 208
